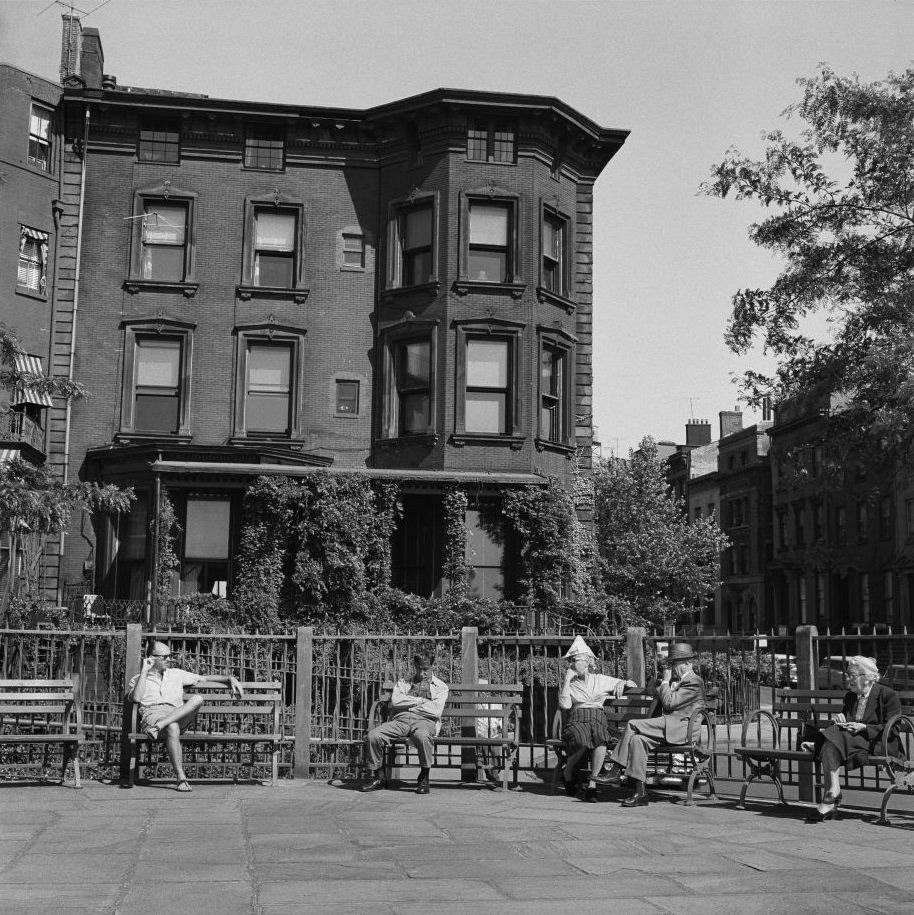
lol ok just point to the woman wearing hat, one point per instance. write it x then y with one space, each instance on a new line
583 692
855 732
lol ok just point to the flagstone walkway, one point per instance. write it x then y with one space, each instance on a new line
306 847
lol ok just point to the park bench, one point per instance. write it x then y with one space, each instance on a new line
776 737
669 764
43 713
252 721
467 703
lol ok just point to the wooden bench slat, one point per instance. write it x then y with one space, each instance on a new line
19 684
57 709
42 738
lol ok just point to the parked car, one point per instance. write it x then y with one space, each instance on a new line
786 668
830 673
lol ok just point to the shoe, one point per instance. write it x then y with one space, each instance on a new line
590 795
571 787
808 746
376 784
820 816
422 786
611 776
639 798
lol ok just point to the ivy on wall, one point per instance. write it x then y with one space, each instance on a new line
167 562
455 570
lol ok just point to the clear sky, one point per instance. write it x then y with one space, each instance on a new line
689 79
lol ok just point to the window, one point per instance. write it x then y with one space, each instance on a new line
155 399
40 137
347 397
909 517
710 509
164 257
129 531
820 595
799 525
268 371
888 595
818 522
264 147
487 397
267 407
491 140
415 233
555 233
783 539
160 141
885 518
353 251
274 249
862 521
273 260
485 554
412 371
555 393
489 243
162 240
841 526
696 512
207 529
157 384
32 269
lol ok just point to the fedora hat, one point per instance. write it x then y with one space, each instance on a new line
579 649
680 651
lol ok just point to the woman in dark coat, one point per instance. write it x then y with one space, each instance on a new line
855 733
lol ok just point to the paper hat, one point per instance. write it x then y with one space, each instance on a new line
579 649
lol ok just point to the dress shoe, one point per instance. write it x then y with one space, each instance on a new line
422 786
590 795
639 798
611 776
571 787
376 784
820 816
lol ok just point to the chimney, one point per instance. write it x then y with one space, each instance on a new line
730 421
92 59
70 46
698 432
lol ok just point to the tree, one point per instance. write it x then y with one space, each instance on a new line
35 503
655 564
848 245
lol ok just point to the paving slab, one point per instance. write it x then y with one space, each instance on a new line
313 847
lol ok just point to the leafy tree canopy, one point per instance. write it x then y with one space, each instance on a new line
843 220
655 564
11 376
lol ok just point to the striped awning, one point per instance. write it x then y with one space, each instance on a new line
7 454
20 395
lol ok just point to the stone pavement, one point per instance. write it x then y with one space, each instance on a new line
306 847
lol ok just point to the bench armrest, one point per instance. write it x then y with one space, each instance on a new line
758 715
900 724
703 721
378 713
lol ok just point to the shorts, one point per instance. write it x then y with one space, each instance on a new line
151 715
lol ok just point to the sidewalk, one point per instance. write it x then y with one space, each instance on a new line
313 847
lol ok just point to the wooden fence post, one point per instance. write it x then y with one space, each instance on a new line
133 639
634 653
304 667
469 674
806 637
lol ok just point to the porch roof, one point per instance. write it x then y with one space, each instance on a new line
215 468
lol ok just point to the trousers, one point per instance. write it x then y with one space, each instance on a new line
417 729
635 745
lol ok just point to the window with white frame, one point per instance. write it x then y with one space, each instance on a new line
274 247
353 251
268 388
40 137
157 384
347 397
164 255
32 267
412 385
489 257
488 385
555 424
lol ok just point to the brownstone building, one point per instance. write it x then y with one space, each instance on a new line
403 291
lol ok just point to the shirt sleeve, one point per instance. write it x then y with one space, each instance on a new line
189 679
606 684
132 684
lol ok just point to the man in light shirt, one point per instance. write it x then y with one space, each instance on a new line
158 689
416 706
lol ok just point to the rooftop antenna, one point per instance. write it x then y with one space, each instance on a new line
692 408
72 8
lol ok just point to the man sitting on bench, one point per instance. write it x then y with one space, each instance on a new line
681 693
159 691
416 706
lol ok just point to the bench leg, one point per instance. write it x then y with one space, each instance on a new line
77 783
883 818
748 781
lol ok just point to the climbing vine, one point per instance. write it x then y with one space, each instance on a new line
455 571
167 562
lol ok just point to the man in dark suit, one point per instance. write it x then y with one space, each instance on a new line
680 693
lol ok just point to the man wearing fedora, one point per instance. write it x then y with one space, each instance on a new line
680 693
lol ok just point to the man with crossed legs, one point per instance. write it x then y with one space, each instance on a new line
159 691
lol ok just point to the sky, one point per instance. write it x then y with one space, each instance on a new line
688 79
